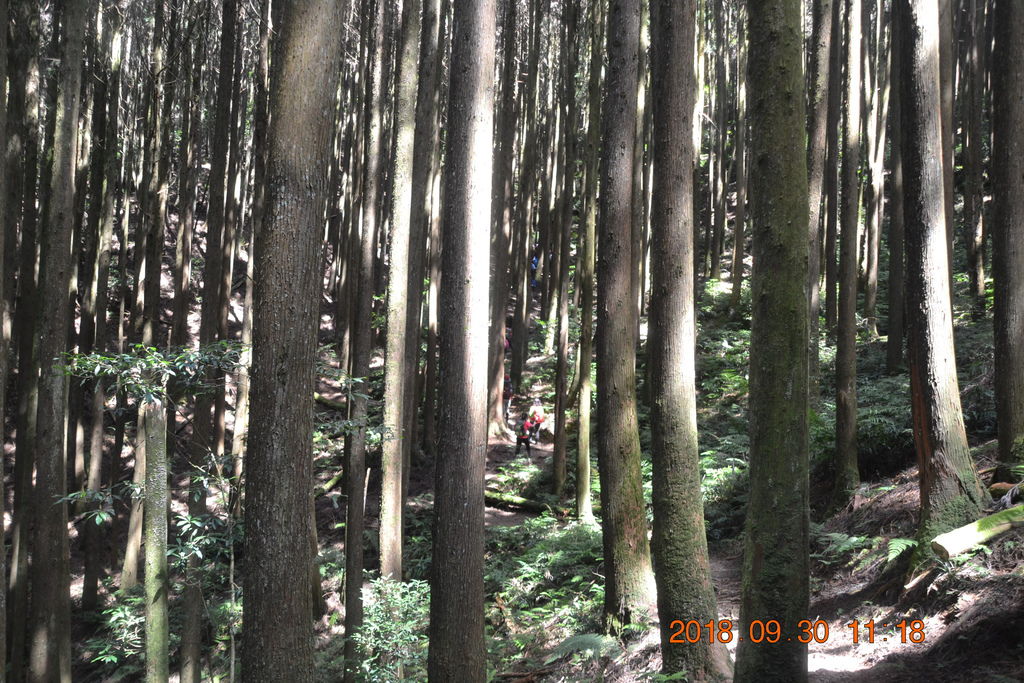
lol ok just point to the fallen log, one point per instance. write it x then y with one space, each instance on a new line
952 543
328 402
999 489
499 499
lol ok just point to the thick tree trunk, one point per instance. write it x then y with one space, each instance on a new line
775 562
950 492
679 542
847 477
629 579
1008 234
50 623
5 324
457 649
278 609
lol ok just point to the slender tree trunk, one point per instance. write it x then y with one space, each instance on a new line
278 609
584 507
203 434
5 325
361 338
741 166
950 492
973 223
50 623
396 376
629 582
896 331
679 542
497 425
25 324
157 585
847 477
103 187
775 561
1008 234
835 102
457 650
818 97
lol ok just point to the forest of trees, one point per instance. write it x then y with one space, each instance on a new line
286 285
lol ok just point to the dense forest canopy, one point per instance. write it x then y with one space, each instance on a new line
526 340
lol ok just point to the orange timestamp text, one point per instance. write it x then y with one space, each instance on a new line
770 631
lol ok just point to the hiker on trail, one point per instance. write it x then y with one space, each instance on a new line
536 418
523 433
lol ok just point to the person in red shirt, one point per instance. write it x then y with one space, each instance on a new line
523 434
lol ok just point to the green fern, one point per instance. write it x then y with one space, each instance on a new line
898 546
591 645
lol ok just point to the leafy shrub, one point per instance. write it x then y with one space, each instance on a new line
393 640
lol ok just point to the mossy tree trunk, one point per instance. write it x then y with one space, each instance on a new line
951 494
280 545
629 579
775 561
679 543
1008 234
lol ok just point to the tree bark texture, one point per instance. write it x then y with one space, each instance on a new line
629 579
775 561
847 477
679 542
277 617
50 623
457 651
950 492
1008 233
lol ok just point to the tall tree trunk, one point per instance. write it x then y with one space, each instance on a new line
835 103
278 609
26 14
584 507
1008 234
897 256
775 560
847 477
355 457
819 70
950 492
629 579
50 623
973 223
741 165
203 426
501 228
679 542
568 105
101 211
396 376
5 324
457 650
157 585
946 90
